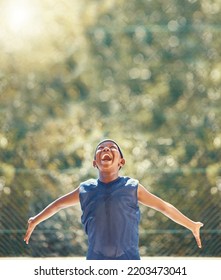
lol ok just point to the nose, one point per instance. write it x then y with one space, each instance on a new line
105 149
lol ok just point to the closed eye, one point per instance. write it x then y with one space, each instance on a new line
100 148
113 147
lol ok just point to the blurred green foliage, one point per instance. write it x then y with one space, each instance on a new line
146 73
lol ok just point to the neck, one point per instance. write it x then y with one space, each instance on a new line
107 177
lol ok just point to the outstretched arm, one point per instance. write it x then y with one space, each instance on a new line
67 200
170 211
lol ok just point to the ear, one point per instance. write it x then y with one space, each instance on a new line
122 162
94 163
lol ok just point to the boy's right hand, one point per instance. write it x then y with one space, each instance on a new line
31 227
196 233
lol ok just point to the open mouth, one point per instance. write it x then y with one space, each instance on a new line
106 157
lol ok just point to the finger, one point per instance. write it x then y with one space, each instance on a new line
199 242
201 225
198 239
26 239
27 236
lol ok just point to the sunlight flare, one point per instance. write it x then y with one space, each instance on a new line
21 16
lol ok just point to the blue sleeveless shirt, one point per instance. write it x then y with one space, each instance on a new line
111 216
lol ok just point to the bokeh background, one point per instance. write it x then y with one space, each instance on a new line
144 72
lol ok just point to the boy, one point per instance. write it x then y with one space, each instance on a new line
110 211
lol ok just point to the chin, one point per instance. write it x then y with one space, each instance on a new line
106 167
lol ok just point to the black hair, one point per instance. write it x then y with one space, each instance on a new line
109 140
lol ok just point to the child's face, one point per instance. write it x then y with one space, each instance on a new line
107 157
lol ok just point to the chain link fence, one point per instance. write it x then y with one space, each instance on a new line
147 70
63 235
